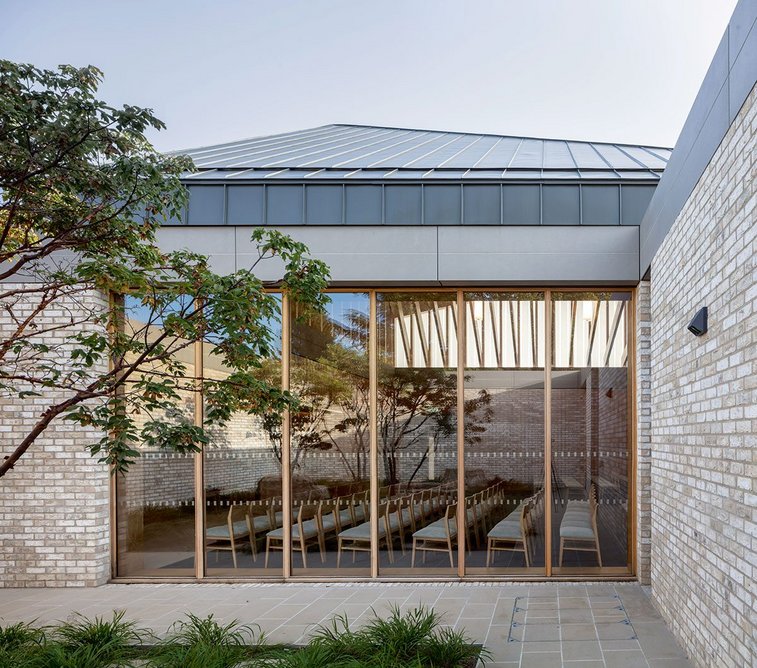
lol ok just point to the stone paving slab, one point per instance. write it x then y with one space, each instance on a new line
522 625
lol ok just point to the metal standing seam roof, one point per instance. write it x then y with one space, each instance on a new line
347 152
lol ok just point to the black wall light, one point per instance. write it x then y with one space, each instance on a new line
698 324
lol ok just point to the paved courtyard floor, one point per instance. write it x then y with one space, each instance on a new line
523 625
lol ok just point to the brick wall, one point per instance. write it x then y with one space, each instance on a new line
54 509
704 409
643 432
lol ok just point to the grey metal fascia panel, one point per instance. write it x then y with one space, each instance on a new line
742 66
538 255
209 240
729 79
388 255
429 255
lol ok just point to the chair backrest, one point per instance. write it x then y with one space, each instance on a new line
450 518
308 511
234 509
525 509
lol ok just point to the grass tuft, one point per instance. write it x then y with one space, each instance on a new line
197 642
113 636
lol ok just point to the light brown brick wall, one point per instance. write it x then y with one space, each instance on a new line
704 409
643 432
54 507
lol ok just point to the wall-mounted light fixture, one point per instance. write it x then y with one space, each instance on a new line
698 324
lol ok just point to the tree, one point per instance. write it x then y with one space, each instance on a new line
82 194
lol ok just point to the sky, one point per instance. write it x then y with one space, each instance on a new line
602 70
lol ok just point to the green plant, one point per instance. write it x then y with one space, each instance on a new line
115 636
448 648
204 643
21 634
403 640
402 635
108 654
312 656
19 643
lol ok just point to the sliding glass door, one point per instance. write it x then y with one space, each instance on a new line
504 433
591 456
329 449
416 416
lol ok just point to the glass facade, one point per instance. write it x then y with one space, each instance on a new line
456 433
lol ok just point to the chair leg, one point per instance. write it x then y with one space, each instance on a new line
233 553
599 554
267 550
451 560
525 551
412 561
562 542
303 550
488 552
339 552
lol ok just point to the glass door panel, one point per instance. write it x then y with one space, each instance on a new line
242 478
504 433
417 433
590 422
156 497
330 440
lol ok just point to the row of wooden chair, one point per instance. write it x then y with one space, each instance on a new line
397 516
428 516
441 535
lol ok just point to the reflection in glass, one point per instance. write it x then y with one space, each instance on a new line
590 438
155 511
330 443
504 454
242 478
417 432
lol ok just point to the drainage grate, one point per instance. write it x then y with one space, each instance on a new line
569 618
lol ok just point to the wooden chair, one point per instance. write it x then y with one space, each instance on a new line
224 537
260 520
509 535
578 528
438 536
358 538
306 531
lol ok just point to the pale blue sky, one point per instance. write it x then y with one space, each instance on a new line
606 70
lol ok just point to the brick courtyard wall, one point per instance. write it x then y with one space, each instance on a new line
643 433
704 409
54 504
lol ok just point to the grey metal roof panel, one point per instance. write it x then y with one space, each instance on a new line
358 147
342 146
365 153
